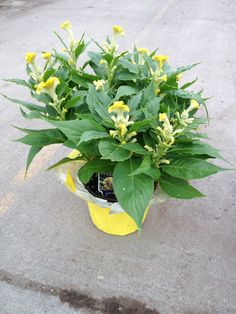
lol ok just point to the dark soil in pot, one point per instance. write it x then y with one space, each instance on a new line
100 185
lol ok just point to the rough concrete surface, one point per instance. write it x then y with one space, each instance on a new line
185 259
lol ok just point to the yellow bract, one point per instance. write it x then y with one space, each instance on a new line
118 107
143 50
66 25
46 55
178 77
48 87
161 59
163 117
29 57
123 129
99 84
118 30
194 104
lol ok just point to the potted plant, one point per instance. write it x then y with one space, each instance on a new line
132 126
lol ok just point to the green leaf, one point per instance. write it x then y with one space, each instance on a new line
61 40
98 165
80 49
197 148
125 91
73 102
178 188
190 168
34 150
25 104
125 75
134 102
182 69
148 93
18 82
92 135
140 125
186 95
32 114
133 192
77 78
133 68
73 129
135 148
64 160
152 108
188 84
41 137
98 102
148 168
48 73
109 149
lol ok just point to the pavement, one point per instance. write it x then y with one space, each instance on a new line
52 258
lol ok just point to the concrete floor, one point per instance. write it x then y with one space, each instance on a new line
185 260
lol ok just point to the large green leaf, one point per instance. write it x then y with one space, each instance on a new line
133 192
196 148
125 75
178 188
73 129
98 165
98 103
190 168
92 135
109 149
148 168
135 148
125 91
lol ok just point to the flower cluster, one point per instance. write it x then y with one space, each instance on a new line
167 133
121 122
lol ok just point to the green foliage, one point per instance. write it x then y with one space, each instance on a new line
178 188
188 168
113 151
132 191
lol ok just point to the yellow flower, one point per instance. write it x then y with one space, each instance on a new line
48 87
163 117
123 129
178 77
66 25
143 50
29 57
194 104
99 84
46 55
161 59
157 91
118 107
163 78
102 61
113 133
118 30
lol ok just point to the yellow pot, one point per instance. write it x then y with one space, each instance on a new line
116 224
